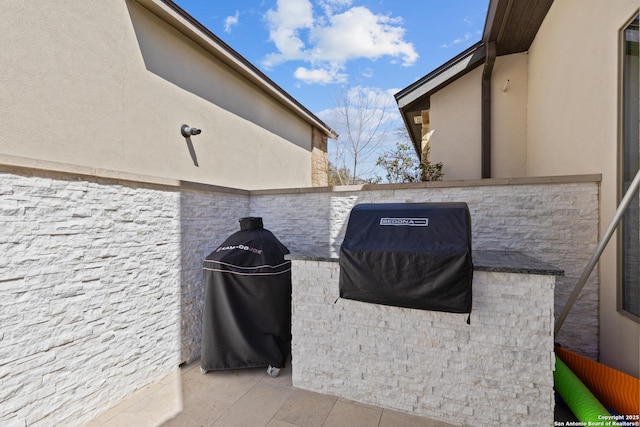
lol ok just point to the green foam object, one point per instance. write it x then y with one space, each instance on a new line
576 395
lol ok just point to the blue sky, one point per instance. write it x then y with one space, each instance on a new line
313 48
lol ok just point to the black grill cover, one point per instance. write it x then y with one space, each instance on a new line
246 318
415 255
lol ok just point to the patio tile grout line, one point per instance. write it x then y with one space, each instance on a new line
324 421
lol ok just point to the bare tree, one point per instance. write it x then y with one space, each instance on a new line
362 120
338 176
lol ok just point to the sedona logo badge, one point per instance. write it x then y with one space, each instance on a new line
411 222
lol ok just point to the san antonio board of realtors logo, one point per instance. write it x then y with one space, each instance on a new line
411 222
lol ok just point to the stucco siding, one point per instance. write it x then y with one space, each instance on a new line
455 113
455 121
509 116
113 88
572 117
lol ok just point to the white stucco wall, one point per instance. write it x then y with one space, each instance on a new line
509 116
108 85
456 125
573 118
455 113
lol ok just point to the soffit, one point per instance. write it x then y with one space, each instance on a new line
513 24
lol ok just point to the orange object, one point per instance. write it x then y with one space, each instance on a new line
614 389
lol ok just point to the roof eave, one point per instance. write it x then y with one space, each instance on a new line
413 98
442 76
511 24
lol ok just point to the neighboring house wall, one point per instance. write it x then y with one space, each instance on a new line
455 113
108 85
455 121
573 120
509 116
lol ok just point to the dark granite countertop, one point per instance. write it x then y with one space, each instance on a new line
512 262
483 260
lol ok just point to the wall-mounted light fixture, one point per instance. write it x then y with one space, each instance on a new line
188 131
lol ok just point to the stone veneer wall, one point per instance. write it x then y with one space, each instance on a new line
206 220
319 159
497 371
554 222
100 289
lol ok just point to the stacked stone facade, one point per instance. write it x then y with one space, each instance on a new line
101 284
556 223
100 289
498 370
319 160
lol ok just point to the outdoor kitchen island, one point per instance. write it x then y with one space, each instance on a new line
492 367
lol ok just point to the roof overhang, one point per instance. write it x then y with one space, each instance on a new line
416 97
179 19
511 24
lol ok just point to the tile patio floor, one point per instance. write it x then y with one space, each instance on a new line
245 398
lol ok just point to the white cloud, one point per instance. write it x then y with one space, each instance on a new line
330 6
231 21
337 3
329 40
319 75
285 24
369 36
